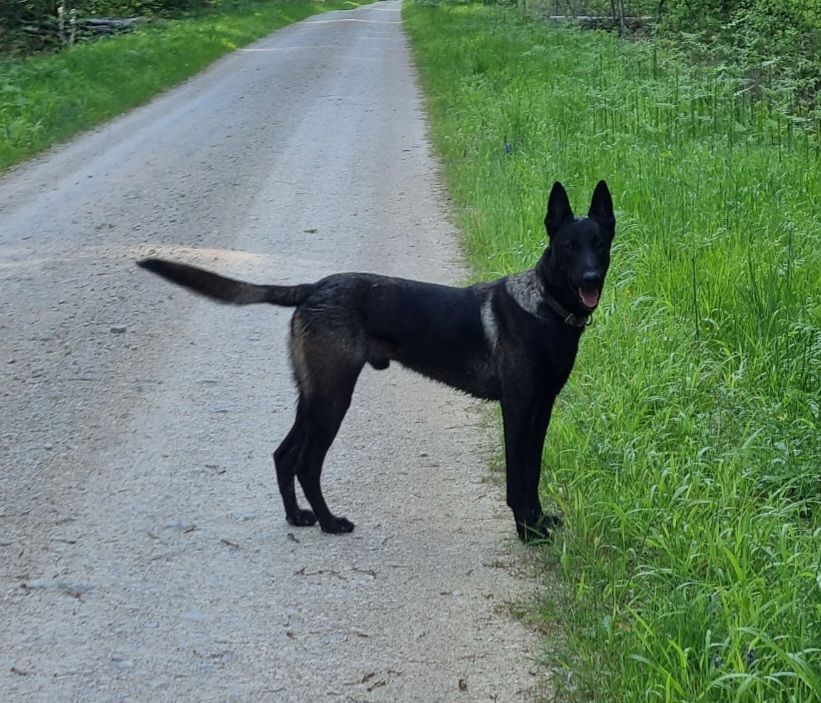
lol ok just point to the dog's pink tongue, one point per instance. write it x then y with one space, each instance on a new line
590 297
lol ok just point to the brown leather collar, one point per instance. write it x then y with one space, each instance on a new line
568 317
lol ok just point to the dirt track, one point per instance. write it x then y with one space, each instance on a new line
143 550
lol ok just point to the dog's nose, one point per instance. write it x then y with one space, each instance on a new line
591 278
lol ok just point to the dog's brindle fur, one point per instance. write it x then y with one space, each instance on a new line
513 340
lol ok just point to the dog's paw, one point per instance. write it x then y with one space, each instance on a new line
552 521
534 534
539 531
302 518
337 525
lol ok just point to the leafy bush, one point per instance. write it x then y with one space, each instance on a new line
776 43
131 8
15 13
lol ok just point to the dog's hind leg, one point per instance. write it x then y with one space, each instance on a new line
285 459
323 416
327 357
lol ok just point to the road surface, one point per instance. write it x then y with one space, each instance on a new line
144 555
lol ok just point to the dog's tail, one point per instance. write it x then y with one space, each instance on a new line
225 290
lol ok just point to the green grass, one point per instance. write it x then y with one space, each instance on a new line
47 99
685 452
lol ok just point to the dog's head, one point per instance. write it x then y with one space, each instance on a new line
578 256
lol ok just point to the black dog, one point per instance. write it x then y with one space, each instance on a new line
513 340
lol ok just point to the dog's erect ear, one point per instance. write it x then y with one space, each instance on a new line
601 208
558 209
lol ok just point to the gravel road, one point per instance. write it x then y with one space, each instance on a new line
144 555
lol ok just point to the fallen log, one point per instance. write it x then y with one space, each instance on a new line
115 22
603 21
81 29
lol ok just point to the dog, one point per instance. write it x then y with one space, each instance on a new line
513 340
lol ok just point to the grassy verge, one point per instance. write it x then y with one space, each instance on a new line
685 451
47 99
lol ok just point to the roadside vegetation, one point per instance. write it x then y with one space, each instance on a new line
685 451
771 45
48 97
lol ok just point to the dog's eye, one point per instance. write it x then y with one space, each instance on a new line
570 245
598 244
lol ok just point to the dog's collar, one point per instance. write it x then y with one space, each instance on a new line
529 292
568 318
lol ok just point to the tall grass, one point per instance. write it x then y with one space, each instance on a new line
685 452
47 99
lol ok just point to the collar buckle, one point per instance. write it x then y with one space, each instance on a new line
567 317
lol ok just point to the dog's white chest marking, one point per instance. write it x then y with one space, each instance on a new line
526 289
489 324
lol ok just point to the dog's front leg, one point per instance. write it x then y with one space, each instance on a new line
525 427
